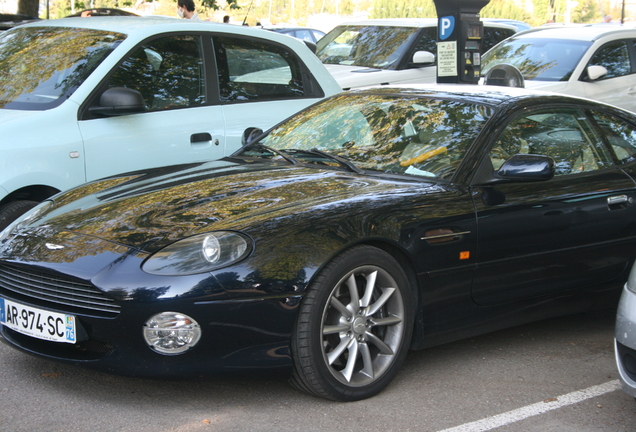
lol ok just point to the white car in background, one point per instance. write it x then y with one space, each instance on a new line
390 51
82 99
595 61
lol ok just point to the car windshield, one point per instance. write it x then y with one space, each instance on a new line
367 46
398 135
40 67
538 59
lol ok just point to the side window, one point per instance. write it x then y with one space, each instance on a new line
254 71
426 42
304 35
494 35
168 72
620 135
566 136
615 57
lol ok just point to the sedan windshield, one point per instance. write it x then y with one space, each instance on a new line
367 46
538 59
398 135
40 67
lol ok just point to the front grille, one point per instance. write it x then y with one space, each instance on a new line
53 288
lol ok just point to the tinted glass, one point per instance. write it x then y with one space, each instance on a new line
620 135
538 59
565 135
168 72
615 57
415 136
40 67
250 70
367 46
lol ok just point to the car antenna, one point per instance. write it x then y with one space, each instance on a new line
248 12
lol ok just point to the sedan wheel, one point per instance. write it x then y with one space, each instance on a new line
354 326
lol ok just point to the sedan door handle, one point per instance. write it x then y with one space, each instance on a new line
202 137
619 201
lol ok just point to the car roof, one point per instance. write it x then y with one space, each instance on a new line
487 95
145 26
580 32
414 22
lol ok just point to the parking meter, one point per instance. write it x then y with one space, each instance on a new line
459 36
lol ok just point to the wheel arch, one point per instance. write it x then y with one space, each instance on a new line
29 193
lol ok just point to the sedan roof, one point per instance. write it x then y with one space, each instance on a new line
580 32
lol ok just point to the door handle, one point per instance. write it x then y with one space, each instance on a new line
619 201
200 138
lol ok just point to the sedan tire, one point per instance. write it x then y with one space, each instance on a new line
354 326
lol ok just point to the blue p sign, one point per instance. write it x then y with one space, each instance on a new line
446 27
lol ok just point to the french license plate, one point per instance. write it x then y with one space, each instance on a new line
37 323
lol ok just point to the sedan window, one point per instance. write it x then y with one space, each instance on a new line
538 59
420 137
614 57
620 135
40 67
564 135
252 71
368 46
168 72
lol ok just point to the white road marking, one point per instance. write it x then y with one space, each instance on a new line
519 414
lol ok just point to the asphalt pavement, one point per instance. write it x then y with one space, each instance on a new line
555 375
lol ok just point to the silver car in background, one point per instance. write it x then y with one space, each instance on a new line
625 335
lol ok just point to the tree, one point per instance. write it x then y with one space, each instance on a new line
29 7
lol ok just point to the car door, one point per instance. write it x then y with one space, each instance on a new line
180 124
618 87
576 230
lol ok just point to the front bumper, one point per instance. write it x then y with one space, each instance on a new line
625 341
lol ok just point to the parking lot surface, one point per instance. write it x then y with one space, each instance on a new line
556 375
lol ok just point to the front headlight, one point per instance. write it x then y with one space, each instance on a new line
26 219
199 254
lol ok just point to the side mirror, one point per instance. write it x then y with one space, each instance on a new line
526 168
311 45
118 101
423 57
596 72
250 134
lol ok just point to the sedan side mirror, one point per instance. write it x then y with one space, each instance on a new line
118 101
423 57
596 72
250 134
526 168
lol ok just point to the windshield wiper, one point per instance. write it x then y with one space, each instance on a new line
339 159
280 153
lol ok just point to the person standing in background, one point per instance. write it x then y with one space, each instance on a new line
185 9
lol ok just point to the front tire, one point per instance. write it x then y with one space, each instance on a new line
354 326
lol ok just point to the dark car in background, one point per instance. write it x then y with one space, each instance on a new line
371 223
8 21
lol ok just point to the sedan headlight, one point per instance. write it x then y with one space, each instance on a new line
25 219
199 254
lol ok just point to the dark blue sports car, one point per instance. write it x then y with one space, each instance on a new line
371 223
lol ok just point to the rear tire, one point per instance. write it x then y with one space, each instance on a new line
13 210
354 326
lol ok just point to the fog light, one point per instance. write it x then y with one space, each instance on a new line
171 333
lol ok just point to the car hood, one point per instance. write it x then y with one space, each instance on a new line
553 86
148 210
357 76
8 115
